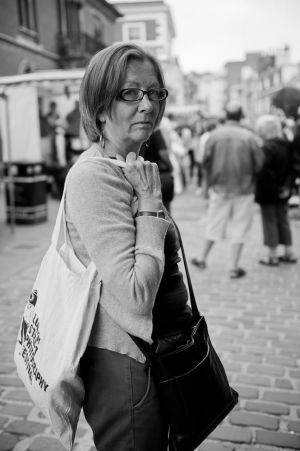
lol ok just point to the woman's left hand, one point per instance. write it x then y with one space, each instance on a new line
144 178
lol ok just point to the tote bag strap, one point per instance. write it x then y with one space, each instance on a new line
60 220
61 215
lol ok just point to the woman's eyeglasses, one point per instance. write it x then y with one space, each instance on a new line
136 94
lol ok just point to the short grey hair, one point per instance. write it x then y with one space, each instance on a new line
102 83
269 126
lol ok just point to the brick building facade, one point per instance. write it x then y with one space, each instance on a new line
51 34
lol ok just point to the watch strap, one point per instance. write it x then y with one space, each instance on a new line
157 214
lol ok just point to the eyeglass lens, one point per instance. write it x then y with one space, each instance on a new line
131 94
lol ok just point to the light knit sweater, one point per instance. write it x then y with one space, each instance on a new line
128 252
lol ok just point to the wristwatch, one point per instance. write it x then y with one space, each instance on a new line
157 214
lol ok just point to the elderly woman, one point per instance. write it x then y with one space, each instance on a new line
273 189
115 217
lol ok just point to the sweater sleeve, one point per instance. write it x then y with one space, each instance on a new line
128 254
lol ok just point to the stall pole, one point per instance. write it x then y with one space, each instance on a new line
10 180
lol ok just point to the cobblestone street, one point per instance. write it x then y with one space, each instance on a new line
254 323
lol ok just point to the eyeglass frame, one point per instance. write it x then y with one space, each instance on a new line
119 96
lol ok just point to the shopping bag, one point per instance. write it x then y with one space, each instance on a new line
54 332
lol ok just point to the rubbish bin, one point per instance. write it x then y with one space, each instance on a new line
27 182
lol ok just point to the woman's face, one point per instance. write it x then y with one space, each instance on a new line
131 123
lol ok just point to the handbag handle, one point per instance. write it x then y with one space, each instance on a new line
195 309
146 347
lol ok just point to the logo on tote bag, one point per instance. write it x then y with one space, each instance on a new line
30 339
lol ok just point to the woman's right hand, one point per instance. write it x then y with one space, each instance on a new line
144 178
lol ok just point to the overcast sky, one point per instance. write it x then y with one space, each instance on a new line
212 32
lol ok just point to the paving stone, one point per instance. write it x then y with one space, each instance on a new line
267 335
252 341
6 368
14 409
248 358
17 395
232 434
290 352
240 418
253 380
252 448
295 373
283 383
7 442
266 369
261 351
7 357
280 439
284 361
217 446
11 381
284 397
294 426
3 421
24 427
232 367
266 407
227 347
46 444
246 392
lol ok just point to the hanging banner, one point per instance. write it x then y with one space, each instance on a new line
20 130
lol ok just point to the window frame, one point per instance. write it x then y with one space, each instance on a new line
27 13
72 8
141 26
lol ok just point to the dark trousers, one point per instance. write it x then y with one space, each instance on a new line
121 403
276 225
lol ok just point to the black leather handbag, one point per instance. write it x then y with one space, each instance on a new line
191 382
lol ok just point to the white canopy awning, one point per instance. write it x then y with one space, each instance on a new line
42 76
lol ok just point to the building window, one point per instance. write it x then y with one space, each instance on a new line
134 34
134 31
28 17
97 27
72 18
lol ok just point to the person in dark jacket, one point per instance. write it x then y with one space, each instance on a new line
157 152
296 148
273 189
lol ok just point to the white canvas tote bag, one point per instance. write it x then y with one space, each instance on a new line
54 332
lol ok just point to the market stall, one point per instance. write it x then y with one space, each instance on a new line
23 102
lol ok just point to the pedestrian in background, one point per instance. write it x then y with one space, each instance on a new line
231 161
53 121
46 132
73 144
200 149
187 137
296 151
115 217
176 151
273 190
